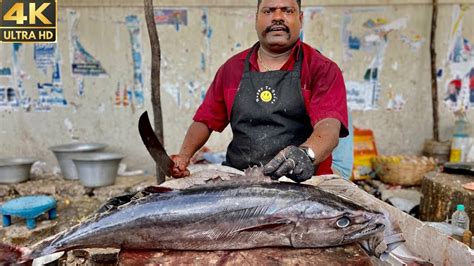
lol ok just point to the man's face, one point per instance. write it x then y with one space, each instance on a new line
278 23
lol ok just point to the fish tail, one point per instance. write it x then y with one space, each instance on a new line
13 255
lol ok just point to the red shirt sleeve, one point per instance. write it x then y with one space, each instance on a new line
328 95
213 110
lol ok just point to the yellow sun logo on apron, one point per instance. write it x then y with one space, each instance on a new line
266 95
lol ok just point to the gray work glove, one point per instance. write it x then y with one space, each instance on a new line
291 162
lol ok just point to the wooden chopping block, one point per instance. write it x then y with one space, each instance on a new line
441 193
344 255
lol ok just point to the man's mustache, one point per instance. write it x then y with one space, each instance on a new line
276 25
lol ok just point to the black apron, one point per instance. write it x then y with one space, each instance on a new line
268 114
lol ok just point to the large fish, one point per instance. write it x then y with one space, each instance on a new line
221 216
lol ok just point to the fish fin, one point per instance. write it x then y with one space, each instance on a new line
118 201
114 202
246 220
12 255
255 174
251 175
158 189
213 180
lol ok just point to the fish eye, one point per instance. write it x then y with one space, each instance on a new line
343 222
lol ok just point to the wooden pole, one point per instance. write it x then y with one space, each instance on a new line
434 81
155 77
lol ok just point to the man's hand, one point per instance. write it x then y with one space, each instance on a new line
180 168
291 162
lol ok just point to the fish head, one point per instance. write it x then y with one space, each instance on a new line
331 224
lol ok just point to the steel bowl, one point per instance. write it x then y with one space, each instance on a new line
15 170
97 169
65 153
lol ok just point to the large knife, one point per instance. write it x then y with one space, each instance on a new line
153 145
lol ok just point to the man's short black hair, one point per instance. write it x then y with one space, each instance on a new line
297 1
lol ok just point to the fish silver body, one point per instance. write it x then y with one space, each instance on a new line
224 217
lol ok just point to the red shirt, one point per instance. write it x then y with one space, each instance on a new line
323 90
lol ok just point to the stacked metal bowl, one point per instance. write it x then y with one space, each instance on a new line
65 153
97 169
15 170
88 163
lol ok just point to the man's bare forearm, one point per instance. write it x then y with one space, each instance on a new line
197 135
324 138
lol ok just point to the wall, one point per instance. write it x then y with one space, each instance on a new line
87 105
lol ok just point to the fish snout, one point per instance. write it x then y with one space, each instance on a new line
371 228
379 227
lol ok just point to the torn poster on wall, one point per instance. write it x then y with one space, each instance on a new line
369 38
197 91
413 41
121 98
460 85
310 14
83 63
44 55
19 75
124 97
175 17
50 93
360 94
207 33
5 72
137 97
12 92
396 102
174 91
8 98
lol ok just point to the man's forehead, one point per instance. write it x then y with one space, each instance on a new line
278 3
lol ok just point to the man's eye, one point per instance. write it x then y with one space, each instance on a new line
289 11
266 11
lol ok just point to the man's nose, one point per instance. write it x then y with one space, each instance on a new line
278 15
278 21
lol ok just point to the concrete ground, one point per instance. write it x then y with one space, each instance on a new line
74 203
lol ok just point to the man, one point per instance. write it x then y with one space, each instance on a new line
285 102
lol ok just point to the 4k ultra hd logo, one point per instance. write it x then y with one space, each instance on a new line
28 21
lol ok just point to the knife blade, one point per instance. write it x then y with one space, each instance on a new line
153 145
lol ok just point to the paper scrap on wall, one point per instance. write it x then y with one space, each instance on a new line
460 86
174 92
368 39
176 17
44 55
12 93
396 103
207 32
50 93
5 72
83 63
310 14
136 95
124 96
8 98
414 42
